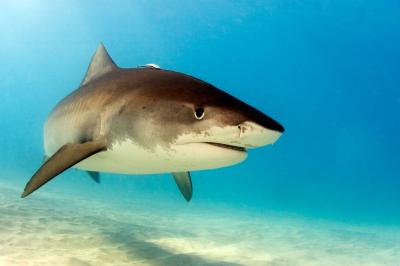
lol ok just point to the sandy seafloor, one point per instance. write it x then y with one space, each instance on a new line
49 229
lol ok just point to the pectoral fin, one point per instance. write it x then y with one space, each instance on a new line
45 158
94 175
67 156
184 183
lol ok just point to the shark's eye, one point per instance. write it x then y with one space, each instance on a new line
199 113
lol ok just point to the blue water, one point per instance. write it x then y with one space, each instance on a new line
327 70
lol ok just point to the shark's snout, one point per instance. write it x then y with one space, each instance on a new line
253 135
273 125
255 116
257 129
247 134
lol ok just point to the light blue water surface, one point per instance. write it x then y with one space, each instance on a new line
327 70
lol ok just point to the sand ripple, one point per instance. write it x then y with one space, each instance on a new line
50 230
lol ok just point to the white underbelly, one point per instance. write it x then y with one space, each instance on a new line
129 158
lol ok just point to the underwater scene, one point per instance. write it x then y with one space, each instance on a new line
200 132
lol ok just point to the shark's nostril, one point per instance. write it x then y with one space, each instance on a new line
242 129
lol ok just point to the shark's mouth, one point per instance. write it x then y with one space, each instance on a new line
226 146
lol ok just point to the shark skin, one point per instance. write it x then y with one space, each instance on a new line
148 120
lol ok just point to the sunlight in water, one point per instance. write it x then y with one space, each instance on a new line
327 193
71 232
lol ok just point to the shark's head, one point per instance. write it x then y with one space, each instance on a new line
198 122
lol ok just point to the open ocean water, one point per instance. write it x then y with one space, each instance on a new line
326 193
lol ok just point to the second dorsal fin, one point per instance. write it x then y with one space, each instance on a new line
100 64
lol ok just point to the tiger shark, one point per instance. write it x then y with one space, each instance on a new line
147 120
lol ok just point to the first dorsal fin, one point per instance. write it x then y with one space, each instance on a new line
100 64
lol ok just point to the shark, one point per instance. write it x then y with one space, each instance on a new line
148 120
